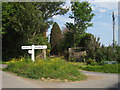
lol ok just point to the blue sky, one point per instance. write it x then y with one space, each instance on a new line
102 21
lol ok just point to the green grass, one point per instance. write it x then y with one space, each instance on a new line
107 68
55 68
1 62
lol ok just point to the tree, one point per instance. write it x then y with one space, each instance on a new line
82 15
55 39
68 40
50 9
26 21
90 43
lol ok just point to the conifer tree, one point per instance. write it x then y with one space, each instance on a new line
55 39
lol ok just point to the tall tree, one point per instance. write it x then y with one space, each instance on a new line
82 15
50 9
55 39
26 21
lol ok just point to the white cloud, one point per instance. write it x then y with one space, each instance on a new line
62 19
106 5
56 16
67 4
102 5
102 10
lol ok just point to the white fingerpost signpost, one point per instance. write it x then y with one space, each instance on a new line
32 52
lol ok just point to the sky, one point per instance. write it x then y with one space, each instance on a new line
102 21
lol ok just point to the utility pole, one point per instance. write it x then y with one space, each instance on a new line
113 29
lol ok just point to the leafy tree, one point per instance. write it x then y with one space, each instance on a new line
82 15
24 19
28 22
10 39
55 39
50 9
90 43
68 40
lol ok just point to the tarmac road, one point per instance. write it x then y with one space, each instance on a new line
95 80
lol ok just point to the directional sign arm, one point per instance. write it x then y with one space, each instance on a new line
40 47
26 47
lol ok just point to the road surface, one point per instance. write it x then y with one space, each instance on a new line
95 80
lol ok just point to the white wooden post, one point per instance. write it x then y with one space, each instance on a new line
44 53
33 54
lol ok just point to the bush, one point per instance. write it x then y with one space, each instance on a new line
108 54
91 62
55 68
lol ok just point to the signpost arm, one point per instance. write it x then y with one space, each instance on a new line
32 52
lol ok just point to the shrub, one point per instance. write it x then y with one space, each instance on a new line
73 59
108 54
54 68
91 62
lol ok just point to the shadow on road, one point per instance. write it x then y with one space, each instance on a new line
114 87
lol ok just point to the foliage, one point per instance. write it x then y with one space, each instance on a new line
90 43
51 9
91 62
87 41
117 55
68 40
55 68
28 22
20 20
75 35
107 68
1 62
82 15
55 39
23 20
108 54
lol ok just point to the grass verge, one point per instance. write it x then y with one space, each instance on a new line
1 62
55 68
107 68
